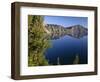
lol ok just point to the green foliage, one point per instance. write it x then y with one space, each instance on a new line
37 44
76 60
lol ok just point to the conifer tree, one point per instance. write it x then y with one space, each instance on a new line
37 44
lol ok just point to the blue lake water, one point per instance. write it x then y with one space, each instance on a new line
66 48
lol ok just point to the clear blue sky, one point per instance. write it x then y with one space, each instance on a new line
66 20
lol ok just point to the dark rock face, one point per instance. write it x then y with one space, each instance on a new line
57 31
55 28
77 31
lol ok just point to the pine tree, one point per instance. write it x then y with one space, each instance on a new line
37 44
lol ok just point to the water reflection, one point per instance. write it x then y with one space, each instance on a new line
57 31
67 50
55 36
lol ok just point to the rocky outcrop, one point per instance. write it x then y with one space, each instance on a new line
53 28
76 31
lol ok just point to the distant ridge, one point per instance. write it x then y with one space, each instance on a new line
76 31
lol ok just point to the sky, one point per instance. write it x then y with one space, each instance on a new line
66 20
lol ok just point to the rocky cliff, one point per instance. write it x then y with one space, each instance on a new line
76 31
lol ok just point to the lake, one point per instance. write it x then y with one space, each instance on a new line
65 49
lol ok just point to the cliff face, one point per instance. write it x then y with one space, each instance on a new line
52 28
76 31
